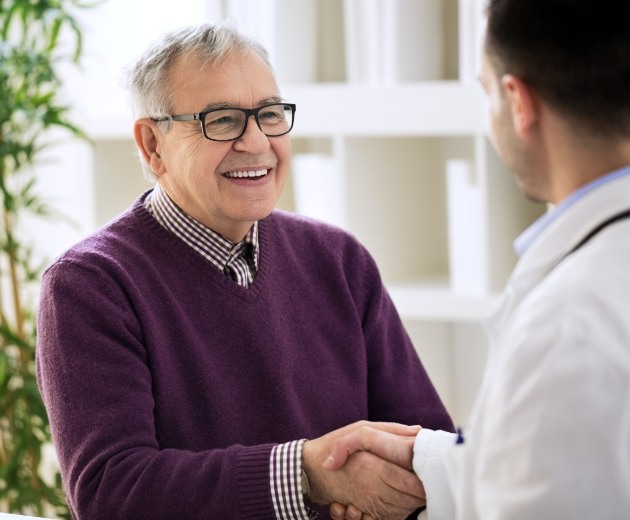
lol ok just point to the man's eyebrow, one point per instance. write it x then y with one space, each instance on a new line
273 99
215 106
220 105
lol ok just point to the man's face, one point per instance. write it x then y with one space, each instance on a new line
499 116
500 124
201 175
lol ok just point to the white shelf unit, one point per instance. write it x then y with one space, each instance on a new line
395 182
390 141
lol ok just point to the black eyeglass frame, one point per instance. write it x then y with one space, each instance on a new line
201 117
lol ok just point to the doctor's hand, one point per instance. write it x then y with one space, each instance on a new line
390 445
376 487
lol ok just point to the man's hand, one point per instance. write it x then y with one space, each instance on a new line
341 512
377 487
387 443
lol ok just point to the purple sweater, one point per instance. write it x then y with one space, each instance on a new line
167 384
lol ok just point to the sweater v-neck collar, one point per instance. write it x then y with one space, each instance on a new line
194 260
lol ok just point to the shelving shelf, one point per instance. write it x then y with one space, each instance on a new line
426 302
439 108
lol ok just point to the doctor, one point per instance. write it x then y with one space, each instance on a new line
549 436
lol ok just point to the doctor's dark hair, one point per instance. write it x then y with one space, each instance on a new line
574 53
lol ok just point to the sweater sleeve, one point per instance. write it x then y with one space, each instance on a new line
400 389
95 378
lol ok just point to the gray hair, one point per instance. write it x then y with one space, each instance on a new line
148 78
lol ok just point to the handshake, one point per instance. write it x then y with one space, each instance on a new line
364 471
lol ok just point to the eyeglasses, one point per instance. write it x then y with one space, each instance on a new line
228 124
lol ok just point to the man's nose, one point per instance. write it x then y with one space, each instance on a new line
253 139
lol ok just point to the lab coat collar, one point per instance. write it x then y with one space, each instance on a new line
555 243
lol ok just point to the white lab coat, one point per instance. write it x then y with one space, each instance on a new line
549 435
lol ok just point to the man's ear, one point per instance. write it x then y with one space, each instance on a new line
147 135
523 103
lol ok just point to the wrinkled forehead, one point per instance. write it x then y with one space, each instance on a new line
194 64
238 79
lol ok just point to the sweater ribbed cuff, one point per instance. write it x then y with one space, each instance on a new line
253 483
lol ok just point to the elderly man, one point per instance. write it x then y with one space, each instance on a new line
189 348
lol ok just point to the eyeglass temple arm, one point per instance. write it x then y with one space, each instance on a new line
184 117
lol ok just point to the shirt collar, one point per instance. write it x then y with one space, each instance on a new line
529 236
215 247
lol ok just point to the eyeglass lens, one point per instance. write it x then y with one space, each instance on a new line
226 124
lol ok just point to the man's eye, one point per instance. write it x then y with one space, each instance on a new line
220 120
271 115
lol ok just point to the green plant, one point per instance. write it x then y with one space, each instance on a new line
35 37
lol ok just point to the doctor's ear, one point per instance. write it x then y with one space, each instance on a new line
147 138
523 103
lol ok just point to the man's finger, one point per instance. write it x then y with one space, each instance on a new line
392 447
337 511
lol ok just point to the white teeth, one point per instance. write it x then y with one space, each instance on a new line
248 173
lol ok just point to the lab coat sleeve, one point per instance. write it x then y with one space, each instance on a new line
429 464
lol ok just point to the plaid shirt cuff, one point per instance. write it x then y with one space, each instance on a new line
285 469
